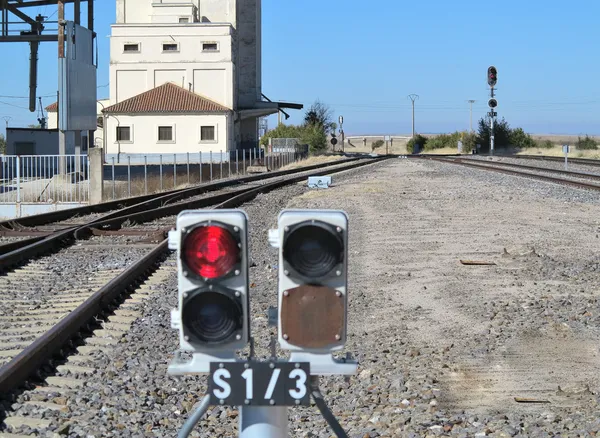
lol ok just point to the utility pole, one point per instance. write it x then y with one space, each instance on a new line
6 119
471 102
413 97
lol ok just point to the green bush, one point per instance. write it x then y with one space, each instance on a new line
417 139
469 142
377 144
520 139
438 142
544 144
586 143
502 133
315 137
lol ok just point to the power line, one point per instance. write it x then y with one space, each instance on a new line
25 97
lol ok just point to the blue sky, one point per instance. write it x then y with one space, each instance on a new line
364 58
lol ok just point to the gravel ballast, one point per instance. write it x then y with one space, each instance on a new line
444 348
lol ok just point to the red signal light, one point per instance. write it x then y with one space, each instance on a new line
211 251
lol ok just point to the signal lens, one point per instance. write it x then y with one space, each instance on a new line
313 251
212 317
211 251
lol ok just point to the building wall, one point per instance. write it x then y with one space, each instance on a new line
186 129
210 73
232 77
40 142
52 122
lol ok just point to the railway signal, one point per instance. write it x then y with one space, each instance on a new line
492 103
492 76
312 292
212 269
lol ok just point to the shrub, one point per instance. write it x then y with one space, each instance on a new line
520 139
501 134
586 143
377 144
418 139
469 142
544 144
438 142
315 137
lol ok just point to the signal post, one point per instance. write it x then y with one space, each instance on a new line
492 79
213 317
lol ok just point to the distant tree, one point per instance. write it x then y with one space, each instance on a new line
2 144
320 115
34 126
502 133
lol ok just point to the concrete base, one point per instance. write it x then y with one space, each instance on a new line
20 209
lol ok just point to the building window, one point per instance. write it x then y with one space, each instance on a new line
165 133
207 133
184 19
99 122
130 47
123 133
170 47
210 47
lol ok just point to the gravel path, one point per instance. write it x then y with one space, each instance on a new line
444 348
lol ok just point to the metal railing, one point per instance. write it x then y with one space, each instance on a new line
44 178
129 175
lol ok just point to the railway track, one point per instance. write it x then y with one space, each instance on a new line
39 330
141 209
574 178
584 161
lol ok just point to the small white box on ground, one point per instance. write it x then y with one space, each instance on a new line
319 182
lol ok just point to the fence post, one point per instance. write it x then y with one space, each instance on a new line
188 166
237 169
113 177
129 176
96 176
221 174
244 161
174 170
160 172
229 164
200 156
18 179
210 157
145 174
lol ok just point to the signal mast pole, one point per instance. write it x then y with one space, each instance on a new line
492 78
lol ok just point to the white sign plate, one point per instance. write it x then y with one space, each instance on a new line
319 182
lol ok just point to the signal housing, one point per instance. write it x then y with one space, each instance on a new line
312 290
212 265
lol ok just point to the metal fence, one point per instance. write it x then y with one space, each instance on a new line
44 179
140 174
56 180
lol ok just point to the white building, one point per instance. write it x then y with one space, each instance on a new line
80 138
207 48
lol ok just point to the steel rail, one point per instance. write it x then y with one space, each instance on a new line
146 201
535 168
16 372
578 184
26 249
585 161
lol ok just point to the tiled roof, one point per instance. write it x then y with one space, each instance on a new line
167 98
53 107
